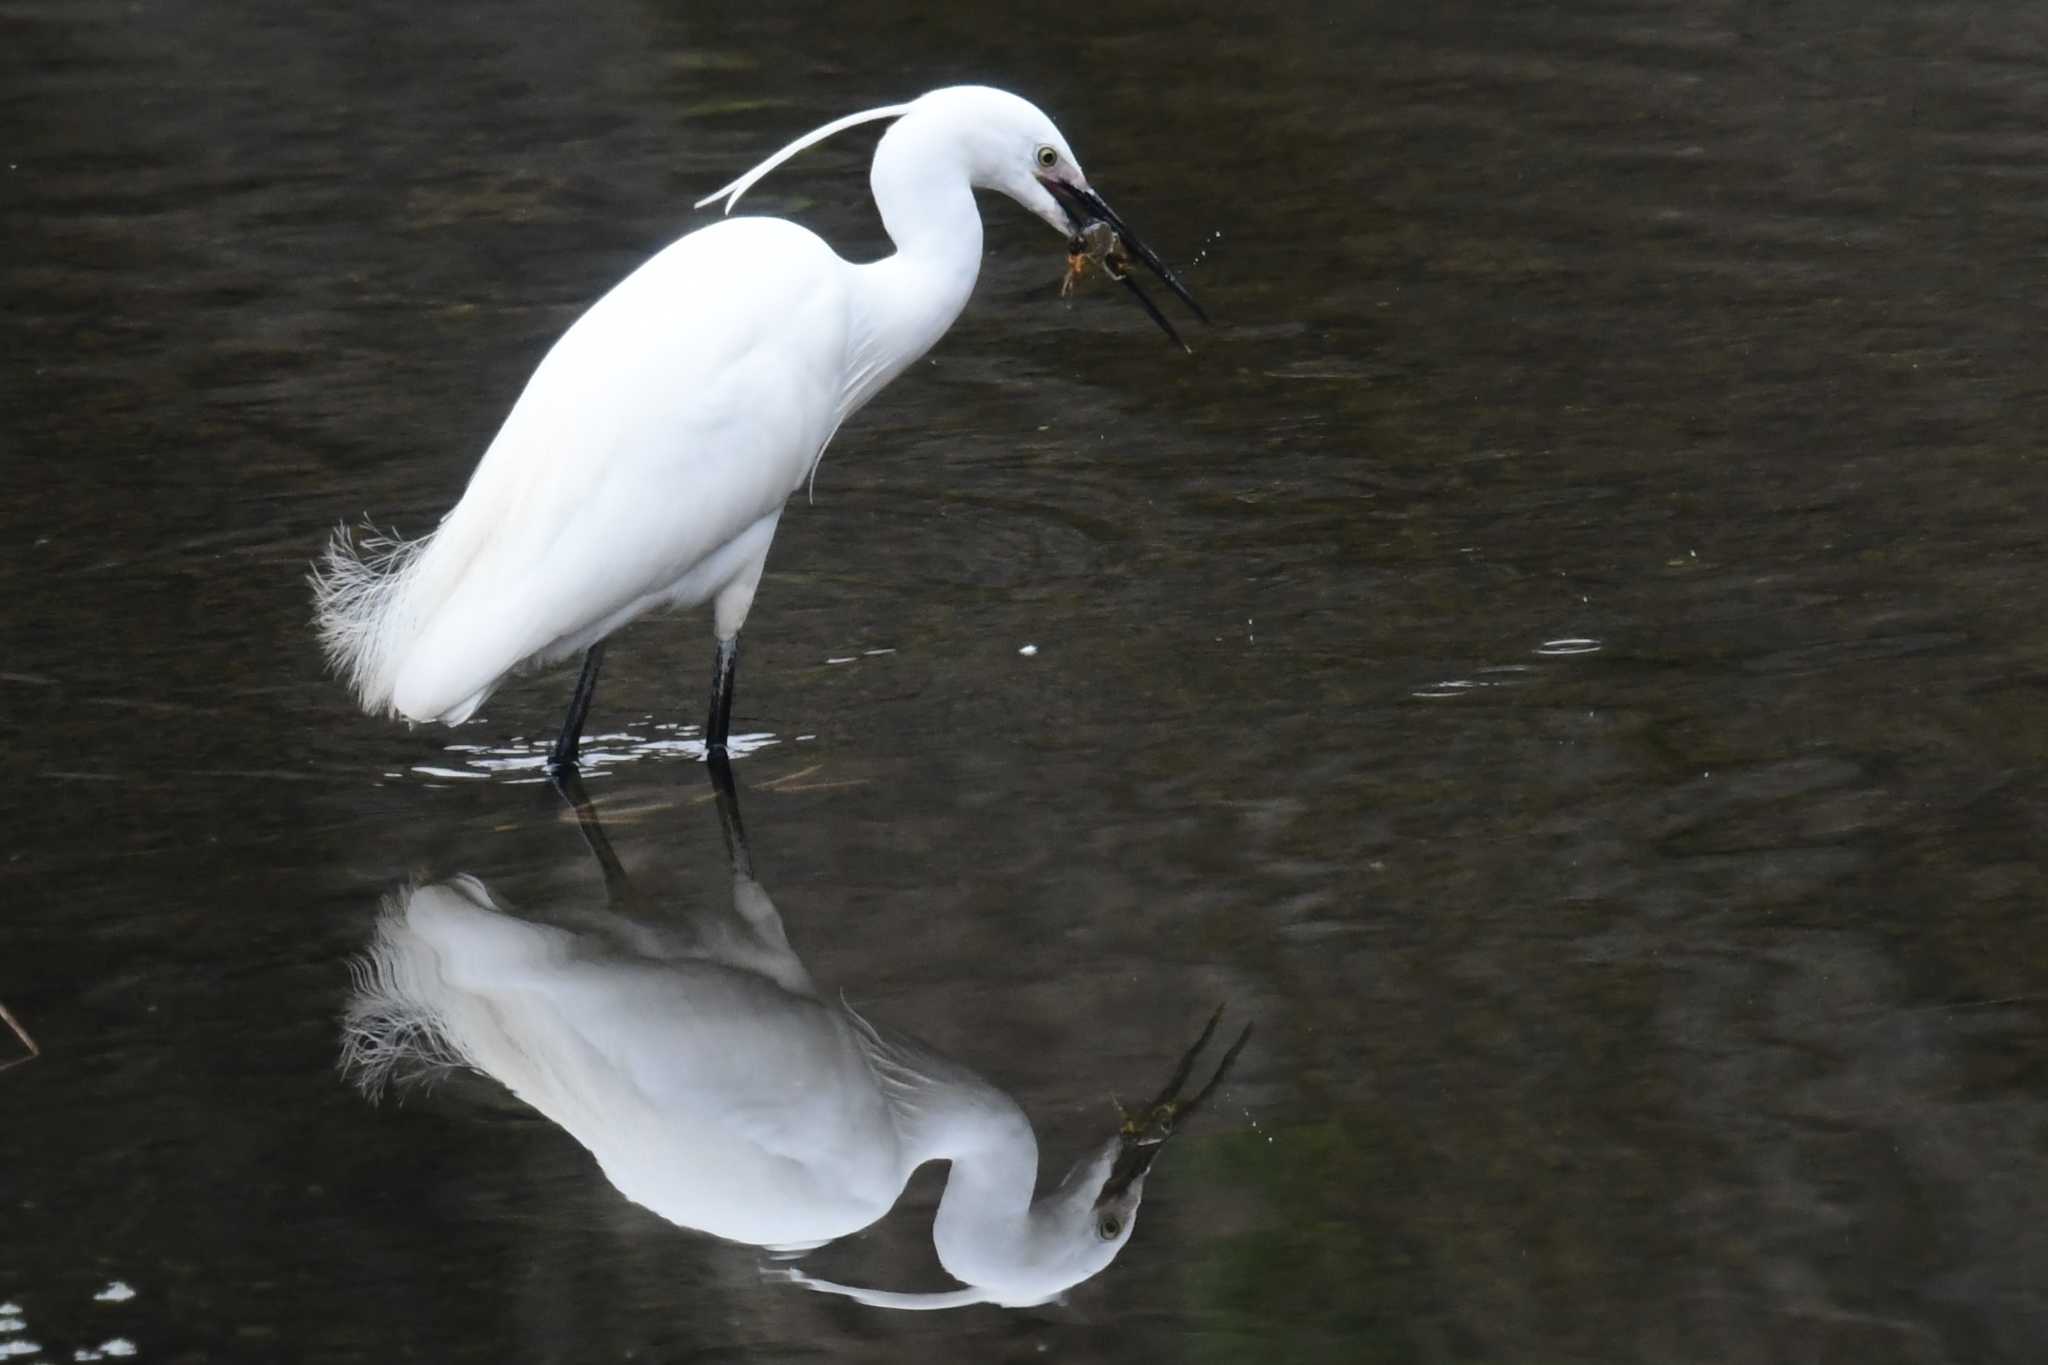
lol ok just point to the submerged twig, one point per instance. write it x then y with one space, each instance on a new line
21 1033
788 782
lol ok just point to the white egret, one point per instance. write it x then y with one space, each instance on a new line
648 460
719 1087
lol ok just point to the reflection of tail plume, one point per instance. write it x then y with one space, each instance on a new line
391 1032
412 1007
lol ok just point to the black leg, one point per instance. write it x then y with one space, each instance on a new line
563 755
722 670
570 786
729 814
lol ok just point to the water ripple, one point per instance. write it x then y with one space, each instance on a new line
522 760
1508 675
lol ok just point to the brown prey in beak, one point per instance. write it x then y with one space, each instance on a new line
1085 209
1145 1131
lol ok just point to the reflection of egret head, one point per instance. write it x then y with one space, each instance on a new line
1069 1235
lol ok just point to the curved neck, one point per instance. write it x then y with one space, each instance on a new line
924 189
905 302
945 1112
988 1191
989 1232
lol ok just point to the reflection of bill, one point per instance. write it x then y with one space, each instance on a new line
700 1065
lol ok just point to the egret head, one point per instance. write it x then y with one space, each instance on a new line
1074 1231
1003 142
1071 1234
997 141
1066 1238
1013 147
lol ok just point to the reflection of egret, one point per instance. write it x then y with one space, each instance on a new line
647 463
717 1087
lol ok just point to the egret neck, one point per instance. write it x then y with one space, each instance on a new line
984 1231
923 184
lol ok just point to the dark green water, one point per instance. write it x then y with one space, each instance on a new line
1565 656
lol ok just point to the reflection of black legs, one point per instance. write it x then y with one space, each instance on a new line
723 667
571 787
729 814
563 755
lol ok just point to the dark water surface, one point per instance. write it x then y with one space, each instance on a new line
1566 657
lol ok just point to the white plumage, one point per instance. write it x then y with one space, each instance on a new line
639 451
649 458
717 1087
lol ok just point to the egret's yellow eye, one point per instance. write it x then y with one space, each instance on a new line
1109 1226
1048 157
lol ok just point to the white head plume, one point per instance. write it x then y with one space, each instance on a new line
731 193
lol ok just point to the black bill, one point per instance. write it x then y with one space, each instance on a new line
1147 1130
1084 207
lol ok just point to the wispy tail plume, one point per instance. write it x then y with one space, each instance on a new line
393 1031
359 589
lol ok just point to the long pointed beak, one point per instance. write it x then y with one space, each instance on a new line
1146 1131
1084 207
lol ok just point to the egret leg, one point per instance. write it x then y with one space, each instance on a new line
722 670
570 787
729 814
563 755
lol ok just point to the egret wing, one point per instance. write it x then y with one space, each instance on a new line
681 410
